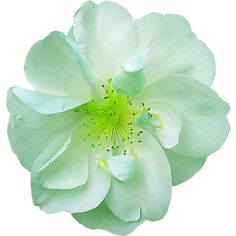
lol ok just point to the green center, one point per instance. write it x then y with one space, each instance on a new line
110 122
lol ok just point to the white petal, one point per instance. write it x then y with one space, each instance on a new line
30 133
201 135
183 168
122 167
174 49
130 79
128 83
56 65
45 103
103 218
171 124
136 62
54 149
41 195
69 169
71 33
80 199
149 191
107 34
204 123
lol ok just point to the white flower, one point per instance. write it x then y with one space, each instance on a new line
122 110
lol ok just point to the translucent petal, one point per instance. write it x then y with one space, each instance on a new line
107 34
45 103
130 79
204 123
68 169
71 33
129 83
183 168
122 167
80 199
171 123
103 218
30 132
149 191
174 49
56 65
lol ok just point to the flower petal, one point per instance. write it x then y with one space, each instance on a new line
41 195
52 152
71 33
68 169
56 65
183 168
80 199
122 167
136 62
103 218
149 191
130 79
171 123
107 34
201 135
204 123
30 133
45 103
128 83
174 49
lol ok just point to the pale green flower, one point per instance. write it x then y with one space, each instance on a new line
122 110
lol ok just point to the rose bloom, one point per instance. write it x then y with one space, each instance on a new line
122 110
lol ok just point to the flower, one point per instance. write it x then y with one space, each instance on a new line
122 110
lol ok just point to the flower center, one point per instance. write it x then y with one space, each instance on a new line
113 123
110 122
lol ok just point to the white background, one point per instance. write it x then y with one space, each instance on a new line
205 205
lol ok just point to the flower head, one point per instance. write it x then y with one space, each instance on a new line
122 110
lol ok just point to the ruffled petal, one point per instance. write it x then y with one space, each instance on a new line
174 49
71 33
41 195
170 123
204 123
54 149
56 65
30 133
103 218
80 199
149 191
66 169
122 167
130 79
128 83
107 34
45 103
183 168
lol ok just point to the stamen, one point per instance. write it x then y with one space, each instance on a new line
111 122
